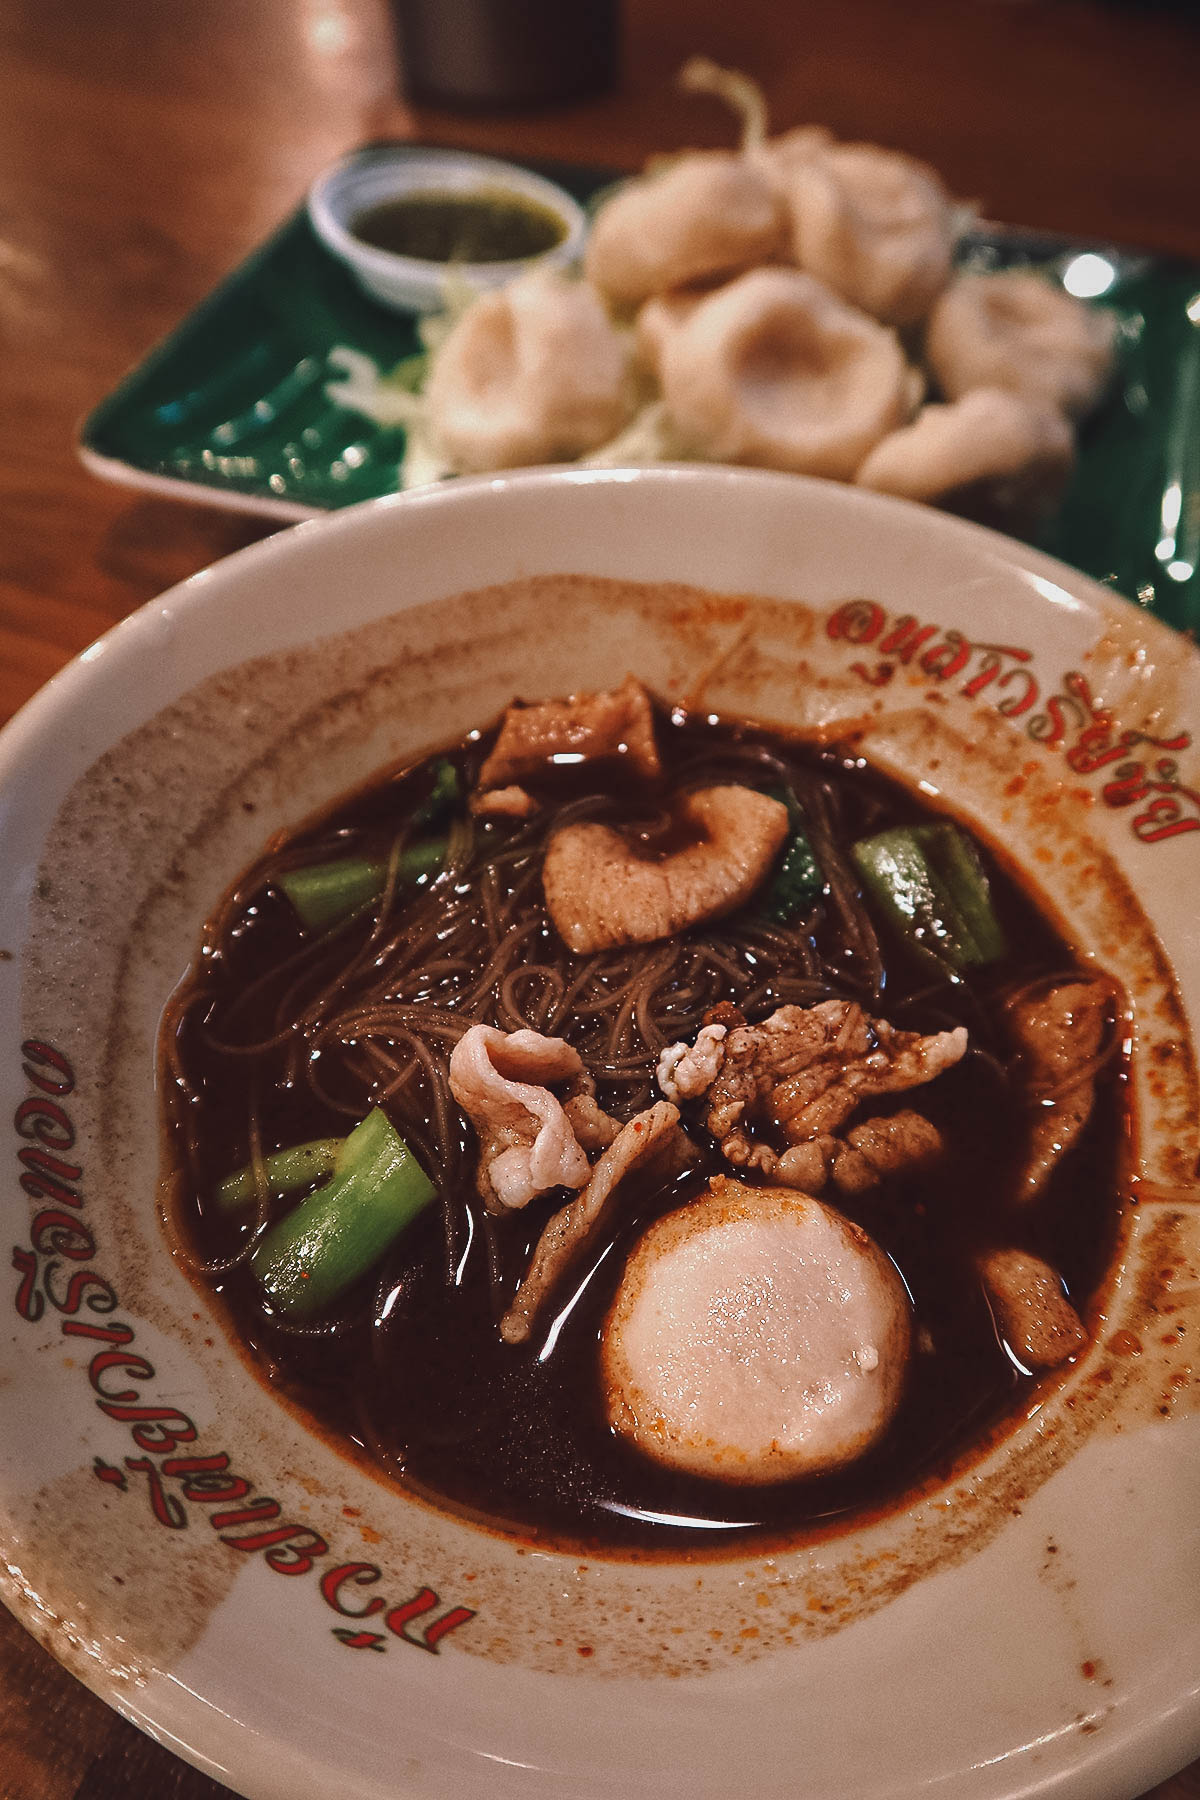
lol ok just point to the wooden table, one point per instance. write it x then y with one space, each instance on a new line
145 148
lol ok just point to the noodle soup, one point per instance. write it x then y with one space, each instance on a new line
288 1033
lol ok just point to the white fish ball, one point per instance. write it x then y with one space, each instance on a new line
757 1335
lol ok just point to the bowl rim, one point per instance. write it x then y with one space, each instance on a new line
1058 582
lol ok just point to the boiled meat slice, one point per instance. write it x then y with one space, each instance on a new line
603 889
1059 1029
1030 1309
583 728
648 1136
804 1071
526 1142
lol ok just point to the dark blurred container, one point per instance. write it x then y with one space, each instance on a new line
506 52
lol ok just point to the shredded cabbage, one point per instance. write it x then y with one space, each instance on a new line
648 438
363 389
390 400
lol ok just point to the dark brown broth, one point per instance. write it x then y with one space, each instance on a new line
515 1436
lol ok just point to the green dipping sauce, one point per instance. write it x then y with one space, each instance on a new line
487 225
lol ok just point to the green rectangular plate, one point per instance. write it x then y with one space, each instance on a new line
231 408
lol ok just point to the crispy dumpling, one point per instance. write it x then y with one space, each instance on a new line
1017 330
534 372
659 319
780 156
711 214
874 225
773 369
989 435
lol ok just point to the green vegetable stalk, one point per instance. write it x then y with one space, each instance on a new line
799 880
283 1172
309 1258
327 893
928 882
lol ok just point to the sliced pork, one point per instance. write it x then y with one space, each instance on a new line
1031 1310
1059 1030
594 1128
512 802
615 726
604 887
801 1074
868 1152
526 1142
645 1138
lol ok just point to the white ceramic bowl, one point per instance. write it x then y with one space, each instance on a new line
192 1552
408 283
